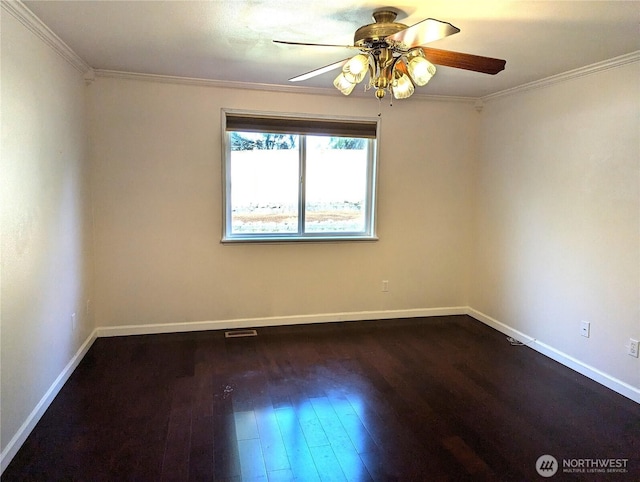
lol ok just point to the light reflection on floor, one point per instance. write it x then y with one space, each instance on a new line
320 438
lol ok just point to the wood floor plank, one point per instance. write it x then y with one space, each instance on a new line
285 475
273 447
327 464
252 466
175 463
201 455
301 462
466 456
225 446
246 426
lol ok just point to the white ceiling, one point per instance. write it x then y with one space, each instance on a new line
231 40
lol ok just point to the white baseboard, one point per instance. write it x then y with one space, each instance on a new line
23 432
277 321
599 376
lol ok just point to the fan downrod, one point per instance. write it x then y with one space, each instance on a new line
384 15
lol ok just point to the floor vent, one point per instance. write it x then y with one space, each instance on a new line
240 333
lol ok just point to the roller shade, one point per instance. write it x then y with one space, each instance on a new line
301 125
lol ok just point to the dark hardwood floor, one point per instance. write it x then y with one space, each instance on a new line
444 398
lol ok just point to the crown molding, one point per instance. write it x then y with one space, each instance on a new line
569 75
27 18
222 84
226 84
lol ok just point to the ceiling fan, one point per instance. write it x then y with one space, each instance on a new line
395 57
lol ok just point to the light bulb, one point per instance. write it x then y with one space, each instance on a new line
343 84
402 87
356 68
420 69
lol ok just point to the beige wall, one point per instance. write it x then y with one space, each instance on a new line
557 218
528 212
157 201
45 222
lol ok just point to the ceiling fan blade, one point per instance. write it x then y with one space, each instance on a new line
315 45
423 32
458 60
321 70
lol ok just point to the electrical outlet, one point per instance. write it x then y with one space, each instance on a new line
73 321
633 347
88 308
385 285
585 328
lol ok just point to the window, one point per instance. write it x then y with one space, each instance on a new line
298 178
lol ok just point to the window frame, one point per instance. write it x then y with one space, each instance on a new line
301 122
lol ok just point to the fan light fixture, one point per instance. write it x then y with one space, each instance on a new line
395 57
398 74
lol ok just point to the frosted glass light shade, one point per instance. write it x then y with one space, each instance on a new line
356 68
402 87
343 84
421 70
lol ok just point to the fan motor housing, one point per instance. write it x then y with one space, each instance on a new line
374 33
